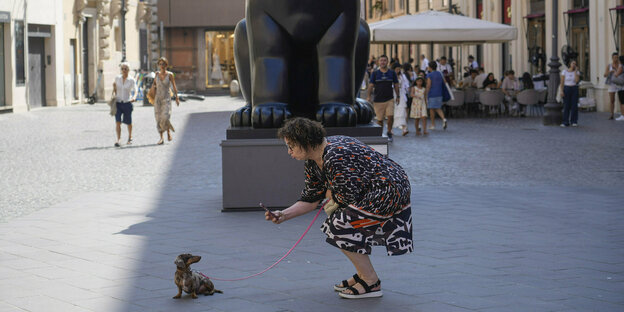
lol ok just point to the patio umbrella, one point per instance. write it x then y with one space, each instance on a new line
440 27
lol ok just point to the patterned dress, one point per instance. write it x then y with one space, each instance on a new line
162 103
419 108
373 193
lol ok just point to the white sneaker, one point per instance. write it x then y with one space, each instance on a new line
432 127
574 125
621 118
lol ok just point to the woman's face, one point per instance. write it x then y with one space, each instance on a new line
573 64
162 64
295 151
490 77
125 70
614 58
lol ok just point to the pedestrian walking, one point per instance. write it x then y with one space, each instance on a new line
620 94
570 95
418 110
125 91
385 84
163 82
613 70
367 199
435 83
400 107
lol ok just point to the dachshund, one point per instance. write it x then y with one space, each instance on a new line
190 281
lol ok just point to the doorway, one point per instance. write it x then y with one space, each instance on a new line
220 68
2 91
72 68
36 72
85 57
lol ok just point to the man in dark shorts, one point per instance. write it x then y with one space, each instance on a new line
124 88
385 83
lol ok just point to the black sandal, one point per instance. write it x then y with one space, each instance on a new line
345 284
368 293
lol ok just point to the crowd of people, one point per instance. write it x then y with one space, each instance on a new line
419 90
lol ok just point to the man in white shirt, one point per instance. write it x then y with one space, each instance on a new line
125 89
478 81
472 63
424 63
445 69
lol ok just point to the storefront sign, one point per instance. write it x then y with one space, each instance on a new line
5 17
507 12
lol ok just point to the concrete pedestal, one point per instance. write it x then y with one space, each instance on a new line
257 168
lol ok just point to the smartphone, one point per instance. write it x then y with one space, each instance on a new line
269 211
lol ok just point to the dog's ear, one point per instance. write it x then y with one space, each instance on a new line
193 259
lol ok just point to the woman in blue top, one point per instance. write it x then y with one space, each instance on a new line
435 83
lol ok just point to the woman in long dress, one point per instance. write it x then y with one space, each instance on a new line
162 102
400 109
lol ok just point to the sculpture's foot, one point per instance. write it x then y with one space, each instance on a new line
241 117
336 115
364 110
269 115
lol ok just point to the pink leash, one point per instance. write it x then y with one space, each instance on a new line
274 264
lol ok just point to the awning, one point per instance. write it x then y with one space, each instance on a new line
440 27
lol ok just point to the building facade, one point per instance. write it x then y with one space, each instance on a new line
199 41
94 47
589 31
31 54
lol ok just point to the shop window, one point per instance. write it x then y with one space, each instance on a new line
20 77
220 68
579 40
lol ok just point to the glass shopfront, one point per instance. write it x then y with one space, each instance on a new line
220 68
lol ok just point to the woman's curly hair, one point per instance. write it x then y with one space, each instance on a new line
302 132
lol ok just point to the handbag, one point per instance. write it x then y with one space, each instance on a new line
618 80
151 94
446 94
113 104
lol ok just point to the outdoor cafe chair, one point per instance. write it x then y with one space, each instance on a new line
492 99
530 98
456 103
470 100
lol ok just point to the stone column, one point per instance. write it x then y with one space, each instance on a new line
552 115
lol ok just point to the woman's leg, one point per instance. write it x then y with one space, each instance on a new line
432 116
129 132
364 269
416 123
169 135
118 130
424 125
611 104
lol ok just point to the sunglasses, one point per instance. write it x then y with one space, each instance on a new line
125 68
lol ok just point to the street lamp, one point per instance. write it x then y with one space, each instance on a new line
552 115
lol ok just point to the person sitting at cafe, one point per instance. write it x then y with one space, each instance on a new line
490 82
510 87
468 80
477 82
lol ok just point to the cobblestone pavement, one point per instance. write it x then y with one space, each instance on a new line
509 215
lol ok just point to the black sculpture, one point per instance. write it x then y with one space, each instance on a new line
301 58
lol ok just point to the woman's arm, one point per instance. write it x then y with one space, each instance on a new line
561 84
577 77
297 209
175 89
606 71
427 89
618 71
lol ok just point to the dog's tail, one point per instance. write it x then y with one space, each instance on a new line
218 291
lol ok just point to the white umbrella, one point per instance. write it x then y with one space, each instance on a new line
440 27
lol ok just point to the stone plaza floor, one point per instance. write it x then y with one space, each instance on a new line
508 215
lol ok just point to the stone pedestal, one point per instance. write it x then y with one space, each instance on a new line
257 168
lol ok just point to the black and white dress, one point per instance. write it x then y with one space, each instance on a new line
373 193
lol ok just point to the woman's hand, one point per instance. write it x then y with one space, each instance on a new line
278 213
177 100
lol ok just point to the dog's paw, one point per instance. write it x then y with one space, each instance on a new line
177 296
